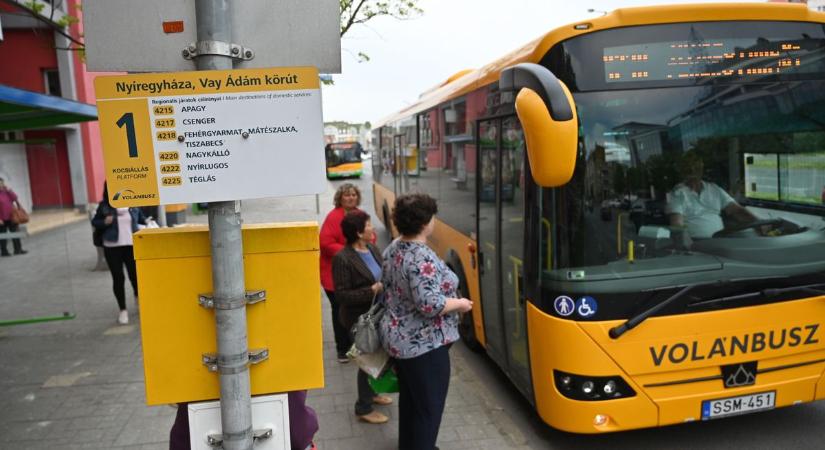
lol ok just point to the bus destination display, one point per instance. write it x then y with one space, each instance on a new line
697 60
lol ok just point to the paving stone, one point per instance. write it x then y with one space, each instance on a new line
65 380
470 432
334 426
145 430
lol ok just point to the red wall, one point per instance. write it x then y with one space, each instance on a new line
49 170
27 54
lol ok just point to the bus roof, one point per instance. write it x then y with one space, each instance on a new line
533 51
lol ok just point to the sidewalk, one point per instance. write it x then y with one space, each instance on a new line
78 384
46 219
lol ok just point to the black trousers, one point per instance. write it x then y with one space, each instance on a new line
422 386
365 394
10 227
116 258
342 339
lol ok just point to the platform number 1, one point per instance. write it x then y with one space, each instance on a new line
129 120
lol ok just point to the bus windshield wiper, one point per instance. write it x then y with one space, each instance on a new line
815 289
634 321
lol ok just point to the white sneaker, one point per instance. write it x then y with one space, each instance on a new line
123 317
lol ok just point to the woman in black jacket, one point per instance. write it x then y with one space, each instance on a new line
356 271
116 226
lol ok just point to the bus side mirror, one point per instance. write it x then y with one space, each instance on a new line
548 116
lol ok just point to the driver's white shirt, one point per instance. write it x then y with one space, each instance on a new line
701 211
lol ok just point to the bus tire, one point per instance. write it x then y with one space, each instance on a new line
466 324
385 212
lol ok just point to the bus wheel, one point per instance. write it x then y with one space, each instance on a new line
467 331
385 211
466 326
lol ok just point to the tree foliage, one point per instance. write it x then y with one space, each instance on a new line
61 25
354 12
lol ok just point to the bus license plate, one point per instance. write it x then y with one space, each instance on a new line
743 404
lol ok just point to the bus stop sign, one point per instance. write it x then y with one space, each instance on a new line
215 135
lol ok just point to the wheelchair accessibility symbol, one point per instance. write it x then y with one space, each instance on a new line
586 306
564 305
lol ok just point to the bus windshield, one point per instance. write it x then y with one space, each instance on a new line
343 153
698 178
698 181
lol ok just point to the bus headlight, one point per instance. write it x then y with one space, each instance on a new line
609 388
583 387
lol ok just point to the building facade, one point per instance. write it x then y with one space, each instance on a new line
59 166
347 132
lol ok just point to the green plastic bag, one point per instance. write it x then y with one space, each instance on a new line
387 383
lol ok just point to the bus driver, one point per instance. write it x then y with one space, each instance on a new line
696 205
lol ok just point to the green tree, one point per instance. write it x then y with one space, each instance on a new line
61 25
355 12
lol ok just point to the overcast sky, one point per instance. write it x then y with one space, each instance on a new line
408 57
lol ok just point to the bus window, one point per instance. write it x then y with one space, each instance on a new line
683 177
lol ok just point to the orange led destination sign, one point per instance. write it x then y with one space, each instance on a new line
719 58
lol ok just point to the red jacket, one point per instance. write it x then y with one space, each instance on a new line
332 241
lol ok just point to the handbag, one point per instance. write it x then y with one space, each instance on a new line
387 383
97 237
373 364
365 335
19 216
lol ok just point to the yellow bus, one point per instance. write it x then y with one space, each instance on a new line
344 160
635 205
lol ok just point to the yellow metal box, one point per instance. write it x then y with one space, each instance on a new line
174 266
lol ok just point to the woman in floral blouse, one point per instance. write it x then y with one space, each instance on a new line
421 321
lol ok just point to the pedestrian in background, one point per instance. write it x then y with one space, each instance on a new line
118 225
347 198
356 271
420 322
8 202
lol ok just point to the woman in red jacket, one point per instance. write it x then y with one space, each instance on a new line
347 198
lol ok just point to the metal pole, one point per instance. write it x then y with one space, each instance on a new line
214 24
161 215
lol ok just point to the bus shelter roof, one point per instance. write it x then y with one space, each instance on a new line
21 110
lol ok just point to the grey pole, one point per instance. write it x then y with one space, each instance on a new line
161 215
213 22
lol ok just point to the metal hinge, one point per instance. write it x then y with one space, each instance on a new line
250 298
216 440
201 48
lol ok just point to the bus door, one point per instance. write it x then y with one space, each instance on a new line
500 231
401 179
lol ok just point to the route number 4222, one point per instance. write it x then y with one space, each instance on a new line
128 120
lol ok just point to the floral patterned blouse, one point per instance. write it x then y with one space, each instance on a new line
417 284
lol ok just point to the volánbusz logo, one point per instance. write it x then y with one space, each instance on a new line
735 345
128 194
